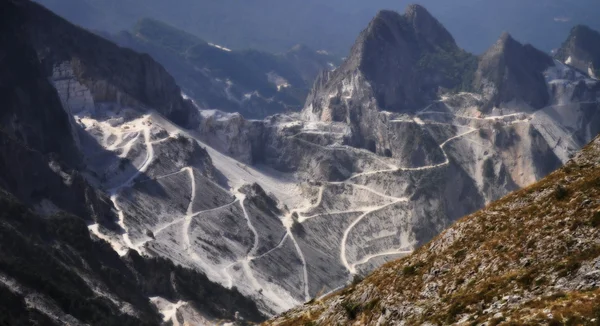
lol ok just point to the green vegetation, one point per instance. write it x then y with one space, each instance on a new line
352 309
357 279
409 270
595 220
560 192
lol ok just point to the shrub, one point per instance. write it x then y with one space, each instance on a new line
352 309
455 309
409 270
595 220
560 192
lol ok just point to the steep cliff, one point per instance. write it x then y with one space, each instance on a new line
111 73
510 71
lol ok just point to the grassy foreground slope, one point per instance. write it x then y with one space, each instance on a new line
531 258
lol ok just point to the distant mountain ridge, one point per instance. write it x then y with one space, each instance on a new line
253 83
332 25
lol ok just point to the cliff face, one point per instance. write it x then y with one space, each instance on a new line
32 111
38 143
111 73
582 50
510 71
403 60
56 267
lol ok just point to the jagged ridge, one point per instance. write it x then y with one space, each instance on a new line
405 59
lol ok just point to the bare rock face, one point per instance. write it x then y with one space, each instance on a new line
398 56
379 181
39 152
510 71
111 73
582 50
399 63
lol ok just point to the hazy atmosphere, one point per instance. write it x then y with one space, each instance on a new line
332 25
299 163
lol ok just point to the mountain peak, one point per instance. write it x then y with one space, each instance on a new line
416 11
428 27
516 71
505 38
416 23
582 50
405 60
582 29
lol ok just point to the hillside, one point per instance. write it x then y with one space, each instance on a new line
531 258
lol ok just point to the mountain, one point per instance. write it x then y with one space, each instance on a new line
272 26
332 25
52 270
510 71
582 50
376 180
530 258
268 213
254 83
405 59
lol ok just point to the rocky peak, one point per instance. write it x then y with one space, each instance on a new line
428 28
582 50
404 60
511 71
399 63
416 29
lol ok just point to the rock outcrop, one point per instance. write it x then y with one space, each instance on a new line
39 157
401 60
